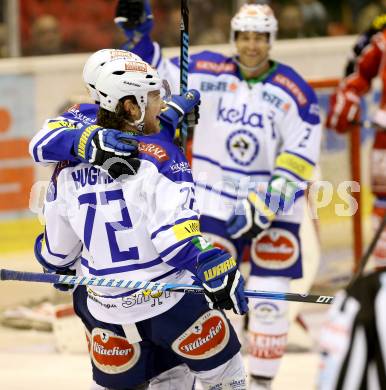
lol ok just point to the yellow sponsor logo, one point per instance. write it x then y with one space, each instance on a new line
83 140
296 165
186 229
153 294
219 269
58 124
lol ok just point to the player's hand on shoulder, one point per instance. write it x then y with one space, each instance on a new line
222 281
134 15
343 110
180 107
111 150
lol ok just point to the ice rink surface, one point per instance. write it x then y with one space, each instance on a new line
28 361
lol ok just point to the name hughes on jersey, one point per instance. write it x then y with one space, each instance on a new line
90 176
234 116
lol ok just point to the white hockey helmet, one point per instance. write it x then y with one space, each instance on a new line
254 17
127 77
94 63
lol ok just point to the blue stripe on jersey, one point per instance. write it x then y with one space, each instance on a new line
186 258
40 141
166 227
177 244
290 173
49 249
117 270
224 168
301 156
207 187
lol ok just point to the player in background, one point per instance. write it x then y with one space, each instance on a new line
143 227
353 339
254 150
366 63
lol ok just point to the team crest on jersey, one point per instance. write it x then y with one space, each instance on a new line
208 335
242 146
275 249
112 354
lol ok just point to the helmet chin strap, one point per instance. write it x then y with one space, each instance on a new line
255 68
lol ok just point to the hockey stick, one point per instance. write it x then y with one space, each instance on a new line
365 258
151 286
184 63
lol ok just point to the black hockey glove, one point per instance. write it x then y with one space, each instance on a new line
111 150
130 14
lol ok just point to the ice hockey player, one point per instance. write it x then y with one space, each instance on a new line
254 149
366 63
143 227
54 142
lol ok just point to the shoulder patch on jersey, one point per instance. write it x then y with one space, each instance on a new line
85 112
291 86
153 150
215 67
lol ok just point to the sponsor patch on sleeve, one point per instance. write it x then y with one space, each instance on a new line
295 164
186 229
153 150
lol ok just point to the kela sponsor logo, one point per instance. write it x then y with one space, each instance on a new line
111 353
239 116
206 337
